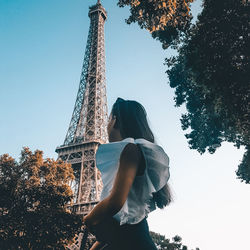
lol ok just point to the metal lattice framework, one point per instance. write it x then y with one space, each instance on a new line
87 129
90 112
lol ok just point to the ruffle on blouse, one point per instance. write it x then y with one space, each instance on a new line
140 201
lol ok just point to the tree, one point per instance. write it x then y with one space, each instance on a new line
164 244
34 193
210 75
167 20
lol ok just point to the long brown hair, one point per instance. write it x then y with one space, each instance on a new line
131 119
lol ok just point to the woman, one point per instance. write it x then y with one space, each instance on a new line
134 172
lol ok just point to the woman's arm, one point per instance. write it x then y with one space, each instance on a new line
97 245
124 179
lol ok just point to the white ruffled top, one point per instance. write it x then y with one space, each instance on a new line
139 202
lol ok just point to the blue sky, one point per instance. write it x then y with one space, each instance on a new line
42 45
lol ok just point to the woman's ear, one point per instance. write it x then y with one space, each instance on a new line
113 121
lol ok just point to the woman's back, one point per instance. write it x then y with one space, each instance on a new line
155 175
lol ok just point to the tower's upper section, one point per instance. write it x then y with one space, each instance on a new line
97 9
89 118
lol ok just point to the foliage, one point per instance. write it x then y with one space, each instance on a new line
210 74
33 195
165 19
244 168
164 244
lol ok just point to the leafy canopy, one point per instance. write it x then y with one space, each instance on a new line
165 244
165 19
211 76
34 193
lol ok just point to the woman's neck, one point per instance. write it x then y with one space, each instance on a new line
115 136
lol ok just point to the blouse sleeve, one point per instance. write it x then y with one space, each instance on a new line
107 161
157 165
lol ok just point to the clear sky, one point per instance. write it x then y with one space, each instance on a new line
42 45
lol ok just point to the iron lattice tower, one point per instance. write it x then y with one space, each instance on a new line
87 127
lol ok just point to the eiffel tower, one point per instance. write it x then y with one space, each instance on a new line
87 128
